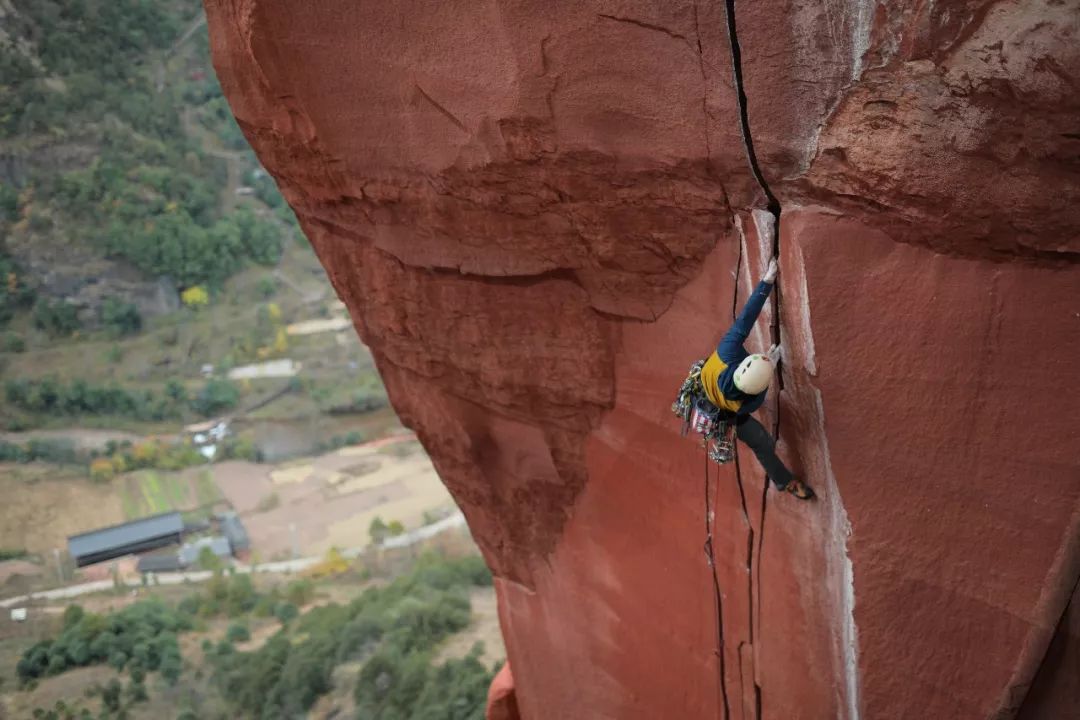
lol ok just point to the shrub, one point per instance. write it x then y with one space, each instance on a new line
72 615
49 395
13 343
240 597
195 297
285 612
15 293
58 319
137 691
54 451
300 592
208 560
266 286
120 317
9 203
378 530
171 667
237 633
216 396
176 391
240 448
114 354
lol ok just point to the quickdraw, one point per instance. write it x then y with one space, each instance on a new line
696 411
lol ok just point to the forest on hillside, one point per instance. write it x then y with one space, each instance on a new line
131 180
135 219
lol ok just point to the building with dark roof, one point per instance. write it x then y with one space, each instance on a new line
169 562
119 540
231 527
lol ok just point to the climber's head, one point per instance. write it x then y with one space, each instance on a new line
753 374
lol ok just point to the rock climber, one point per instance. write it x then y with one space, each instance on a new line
736 382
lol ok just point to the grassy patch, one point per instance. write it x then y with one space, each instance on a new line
156 499
178 489
127 500
206 490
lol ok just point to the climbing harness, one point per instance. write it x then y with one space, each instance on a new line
697 412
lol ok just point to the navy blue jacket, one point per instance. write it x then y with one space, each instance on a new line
719 371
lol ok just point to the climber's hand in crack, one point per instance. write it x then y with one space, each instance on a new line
770 271
774 354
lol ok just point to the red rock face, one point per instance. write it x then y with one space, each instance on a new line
541 213
501 701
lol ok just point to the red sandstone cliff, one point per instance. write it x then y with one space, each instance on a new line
539 213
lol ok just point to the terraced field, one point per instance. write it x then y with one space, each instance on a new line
150 492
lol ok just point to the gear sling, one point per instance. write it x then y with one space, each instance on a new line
697 412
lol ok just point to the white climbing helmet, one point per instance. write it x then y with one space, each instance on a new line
753 374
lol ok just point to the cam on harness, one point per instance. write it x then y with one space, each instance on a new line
696 411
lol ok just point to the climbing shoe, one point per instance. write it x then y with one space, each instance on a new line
799 489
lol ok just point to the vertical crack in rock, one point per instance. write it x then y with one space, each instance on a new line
772 205
704 92
718 603
742 498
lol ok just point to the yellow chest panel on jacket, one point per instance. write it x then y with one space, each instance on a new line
710 380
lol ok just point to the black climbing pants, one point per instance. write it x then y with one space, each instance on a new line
754 434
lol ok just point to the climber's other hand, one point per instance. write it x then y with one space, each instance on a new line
770 271
774 354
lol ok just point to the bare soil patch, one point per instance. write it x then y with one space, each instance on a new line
484 628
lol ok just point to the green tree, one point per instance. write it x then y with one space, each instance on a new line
286 612
208 560
111 695
216 396
261 238
15 292
378 530
176 391
240 597
171 667
136 690
73 615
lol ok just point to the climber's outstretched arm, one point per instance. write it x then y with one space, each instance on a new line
733 340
